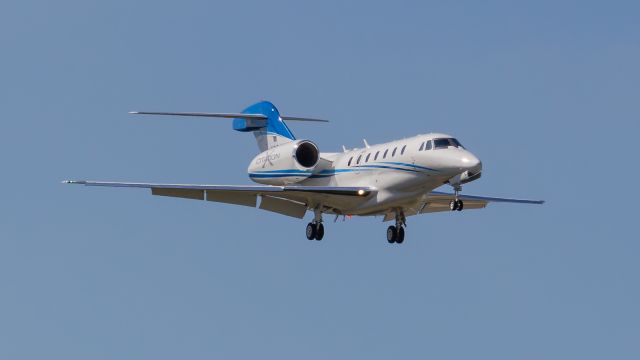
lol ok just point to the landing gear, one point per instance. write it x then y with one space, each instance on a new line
315 229
456 205
395 234
319 231
400 238
392 234
311 231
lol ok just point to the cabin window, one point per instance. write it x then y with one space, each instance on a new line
367 159
349 163
376 157
402 151
428 145
394 151
421 146
358 161
384 156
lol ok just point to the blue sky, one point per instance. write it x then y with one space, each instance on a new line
544 92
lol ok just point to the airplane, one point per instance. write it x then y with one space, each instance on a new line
395 180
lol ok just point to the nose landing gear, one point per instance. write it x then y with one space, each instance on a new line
456 204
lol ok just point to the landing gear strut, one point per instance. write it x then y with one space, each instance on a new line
395 234
315 229
456 204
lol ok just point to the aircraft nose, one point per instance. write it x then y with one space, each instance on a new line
471 162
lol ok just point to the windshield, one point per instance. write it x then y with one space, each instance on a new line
445 143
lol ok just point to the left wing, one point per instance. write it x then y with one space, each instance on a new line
287 200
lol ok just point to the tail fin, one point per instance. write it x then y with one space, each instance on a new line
270 132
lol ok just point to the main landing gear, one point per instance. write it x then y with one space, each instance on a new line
395 234
315 229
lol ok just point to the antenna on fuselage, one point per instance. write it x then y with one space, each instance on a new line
344 149
366 144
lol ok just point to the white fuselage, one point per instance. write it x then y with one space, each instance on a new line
401 171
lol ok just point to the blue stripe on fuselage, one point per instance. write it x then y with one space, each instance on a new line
409 165
332 172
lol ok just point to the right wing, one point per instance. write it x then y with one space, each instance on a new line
287 200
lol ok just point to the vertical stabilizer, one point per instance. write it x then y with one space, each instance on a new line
269 133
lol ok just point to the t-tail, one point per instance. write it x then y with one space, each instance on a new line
262 119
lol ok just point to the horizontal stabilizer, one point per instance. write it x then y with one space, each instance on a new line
295 118
262 119
225 115
201 114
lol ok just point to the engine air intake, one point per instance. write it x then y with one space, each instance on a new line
307 154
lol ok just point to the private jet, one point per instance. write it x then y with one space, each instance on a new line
394 180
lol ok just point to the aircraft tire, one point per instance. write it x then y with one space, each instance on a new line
319 231
392 234
400 236
460 205
311 231
453 205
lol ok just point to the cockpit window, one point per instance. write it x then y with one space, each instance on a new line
445 143
428 145
456 143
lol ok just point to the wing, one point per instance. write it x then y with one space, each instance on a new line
437 201
287 200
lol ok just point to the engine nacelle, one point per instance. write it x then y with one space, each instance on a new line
285 164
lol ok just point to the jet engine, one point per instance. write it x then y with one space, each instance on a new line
285 164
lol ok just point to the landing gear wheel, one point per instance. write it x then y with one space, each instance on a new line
460 205
319 231
400 236
453 205
311 231
392 234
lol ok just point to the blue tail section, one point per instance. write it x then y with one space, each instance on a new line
270 132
